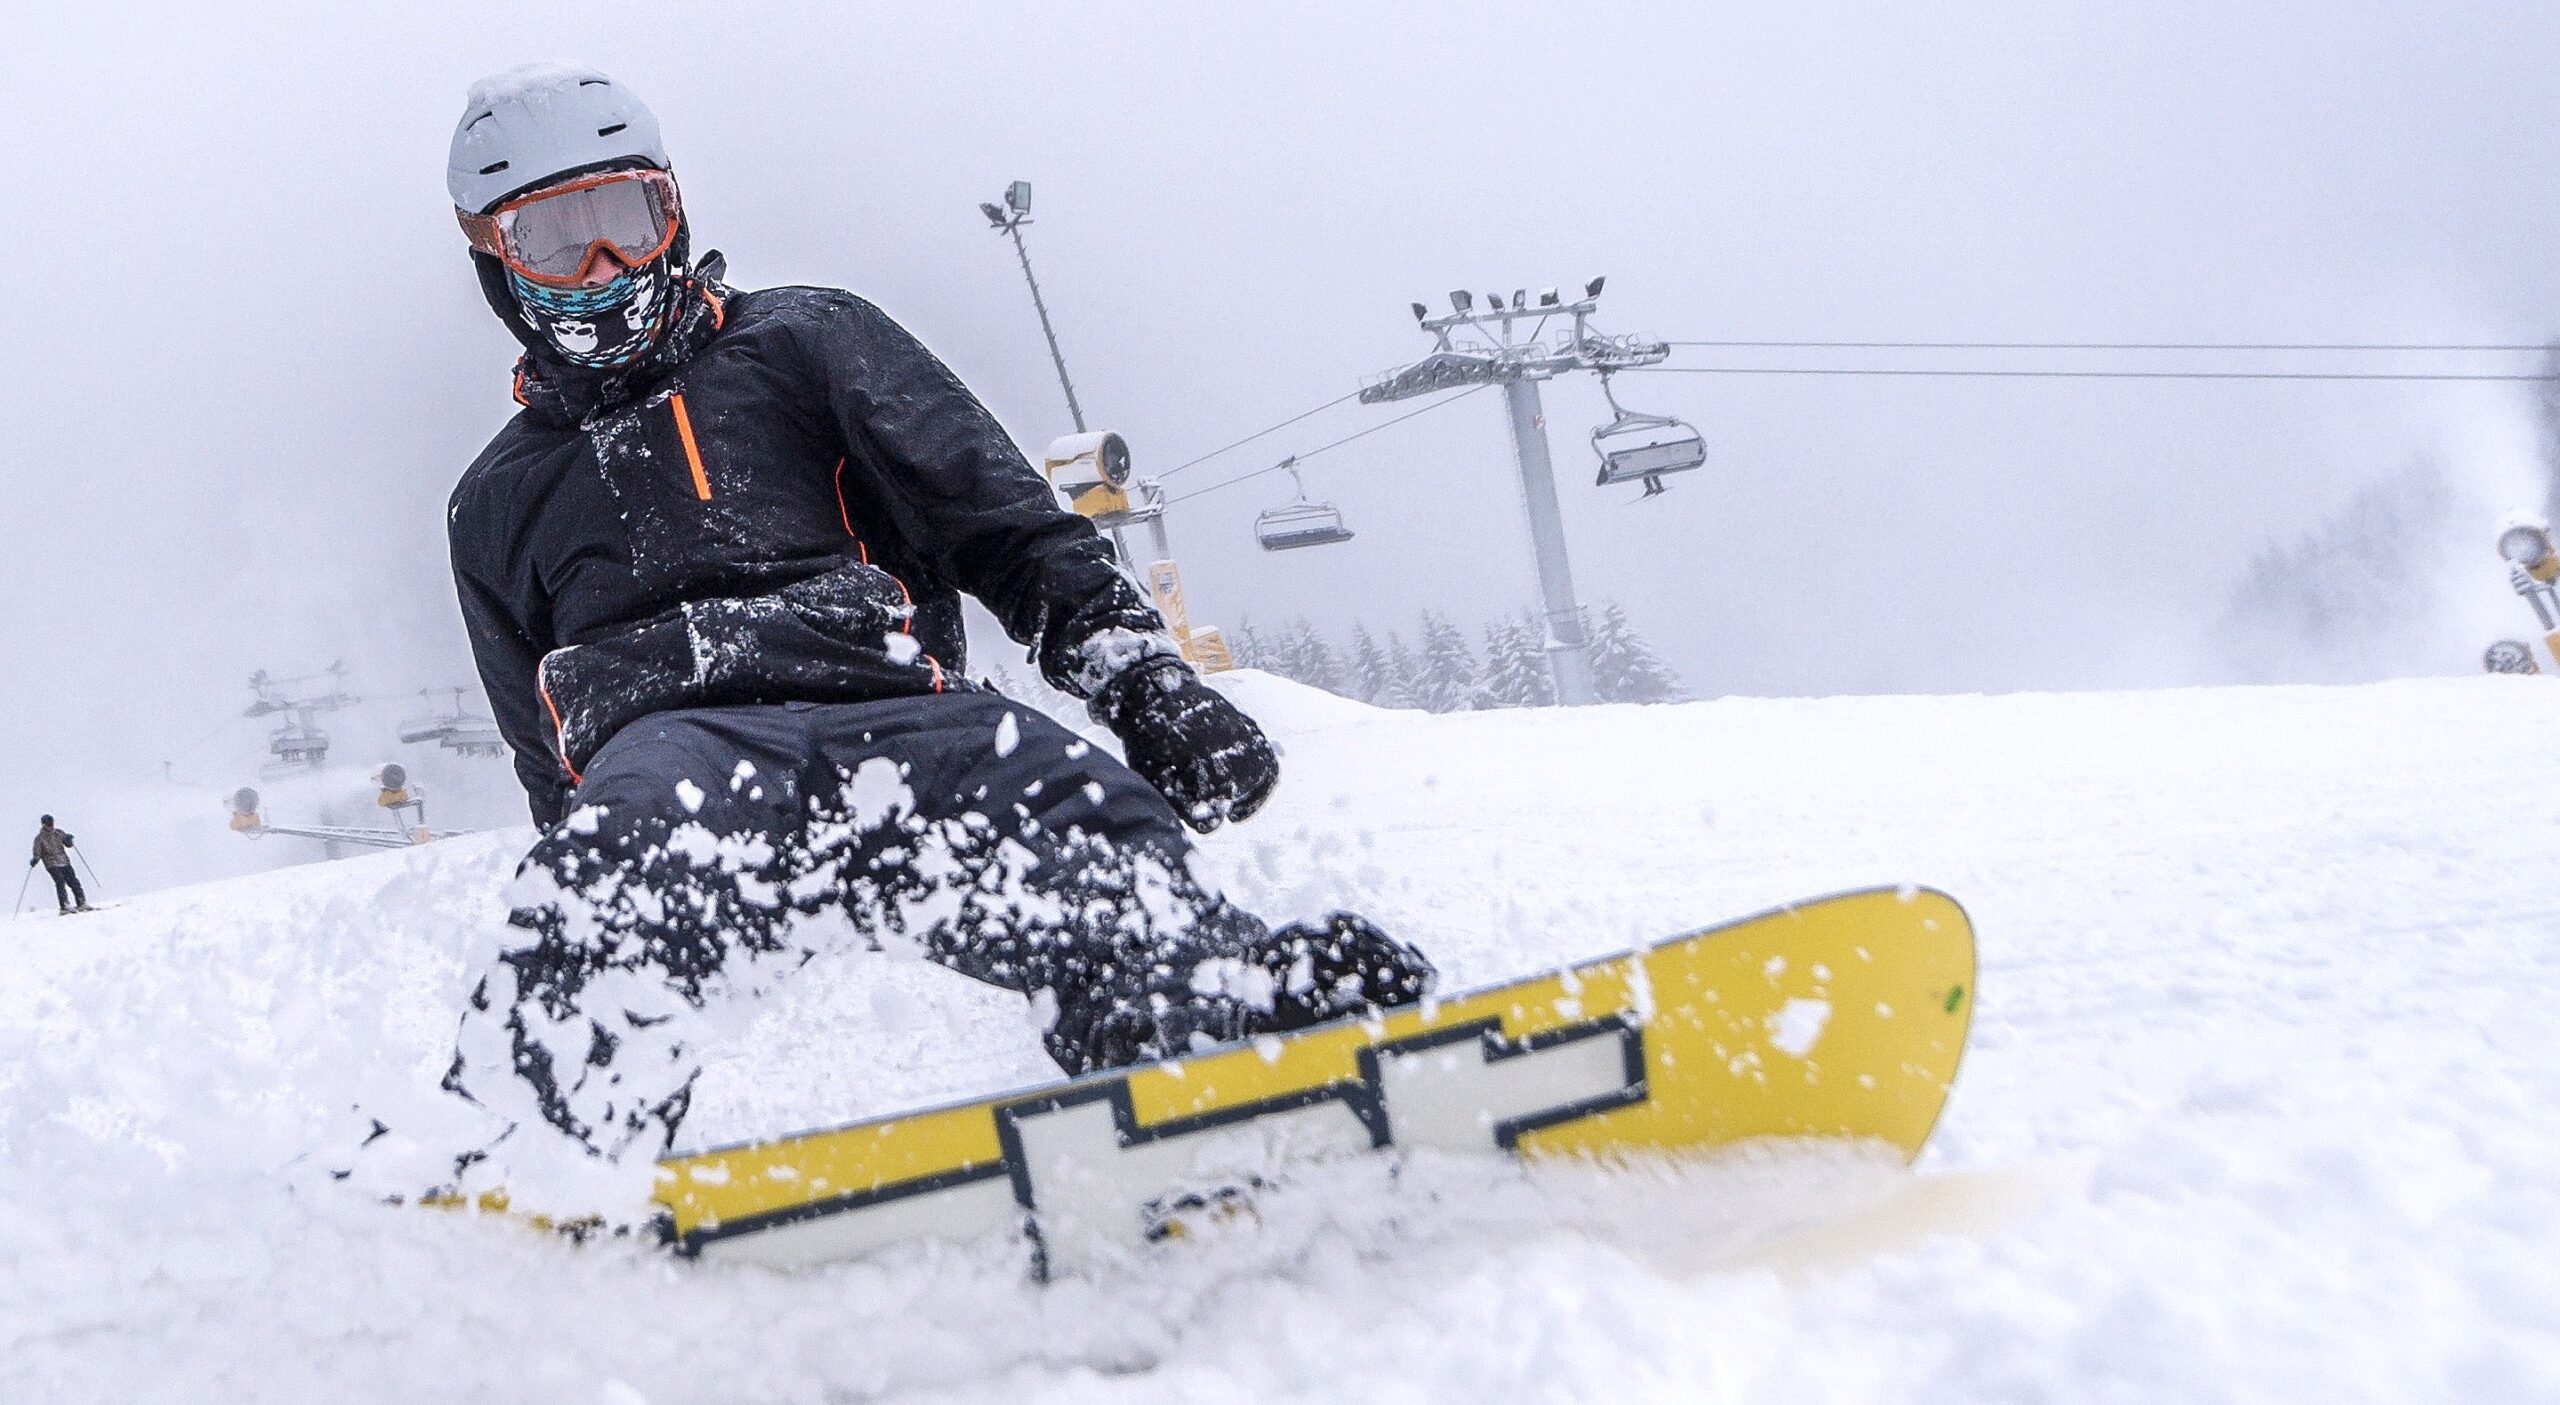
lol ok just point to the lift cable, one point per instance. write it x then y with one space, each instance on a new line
1306 454
1790 344
2022 374
1284 424
2484 348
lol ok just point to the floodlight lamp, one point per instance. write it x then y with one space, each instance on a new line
1549 298
1494 301
1421 313
1520 298
1462 300
1592 288
2509 656
2525 545
1017 197
994 216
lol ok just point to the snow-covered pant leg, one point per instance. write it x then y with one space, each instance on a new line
661 893
998 842
1016 852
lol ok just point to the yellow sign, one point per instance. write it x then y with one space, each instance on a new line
1207 649
1164 582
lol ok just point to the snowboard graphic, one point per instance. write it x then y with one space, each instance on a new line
1838 1018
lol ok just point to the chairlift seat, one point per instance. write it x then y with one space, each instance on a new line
1623 462
1300 525
1637 447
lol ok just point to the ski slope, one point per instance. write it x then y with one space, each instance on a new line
2263 1104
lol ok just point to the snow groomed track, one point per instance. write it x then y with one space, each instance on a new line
2260 1103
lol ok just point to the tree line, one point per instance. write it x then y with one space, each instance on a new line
1442 671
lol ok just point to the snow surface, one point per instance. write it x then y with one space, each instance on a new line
2261 1103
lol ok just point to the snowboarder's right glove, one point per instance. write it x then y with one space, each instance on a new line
1207 757
2522 580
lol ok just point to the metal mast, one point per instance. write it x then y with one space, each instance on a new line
1009 219
1482 348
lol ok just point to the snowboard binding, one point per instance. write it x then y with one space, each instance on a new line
1343 966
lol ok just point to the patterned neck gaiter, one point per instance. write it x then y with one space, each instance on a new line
604 327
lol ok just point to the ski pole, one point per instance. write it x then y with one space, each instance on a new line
22 891
93 870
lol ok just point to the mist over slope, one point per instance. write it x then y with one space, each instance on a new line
2259 1105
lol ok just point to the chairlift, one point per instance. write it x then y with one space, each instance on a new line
1300 523
298 745
454 727
1632 446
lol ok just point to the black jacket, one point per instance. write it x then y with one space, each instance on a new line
784 508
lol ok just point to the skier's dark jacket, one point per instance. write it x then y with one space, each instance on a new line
782 504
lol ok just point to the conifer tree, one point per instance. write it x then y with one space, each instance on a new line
1247 647
1515 664
1372 678
1448 668
1320 669
1403 676
1623 668
1288 655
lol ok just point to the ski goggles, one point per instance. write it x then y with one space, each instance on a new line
551 235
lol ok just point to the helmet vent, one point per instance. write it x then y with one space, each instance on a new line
609 131
493 170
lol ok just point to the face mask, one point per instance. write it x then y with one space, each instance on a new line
604 327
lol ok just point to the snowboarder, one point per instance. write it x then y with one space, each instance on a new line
712 575
53 850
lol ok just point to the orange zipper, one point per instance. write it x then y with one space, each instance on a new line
692 451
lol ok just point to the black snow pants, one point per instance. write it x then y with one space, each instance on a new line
66 887
709 852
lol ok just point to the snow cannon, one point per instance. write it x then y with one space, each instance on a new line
1092 470
2533 568
393 778
244 811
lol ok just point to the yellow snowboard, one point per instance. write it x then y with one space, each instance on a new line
1841 1018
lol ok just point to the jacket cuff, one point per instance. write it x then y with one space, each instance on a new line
1087 668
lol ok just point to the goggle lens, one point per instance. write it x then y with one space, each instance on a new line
553 235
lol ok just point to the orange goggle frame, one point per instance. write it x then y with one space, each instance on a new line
494 233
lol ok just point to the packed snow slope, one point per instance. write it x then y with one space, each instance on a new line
2264 1100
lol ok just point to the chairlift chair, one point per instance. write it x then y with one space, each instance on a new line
453 727
1636 447
1300 523
298 745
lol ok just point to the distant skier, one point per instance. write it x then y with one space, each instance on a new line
712 578
53 850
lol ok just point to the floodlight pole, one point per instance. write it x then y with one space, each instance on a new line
1011 222
1492 355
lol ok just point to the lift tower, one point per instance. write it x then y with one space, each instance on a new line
1492 348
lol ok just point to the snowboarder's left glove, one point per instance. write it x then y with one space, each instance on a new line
1207 757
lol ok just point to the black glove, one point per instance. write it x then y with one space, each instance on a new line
1205 755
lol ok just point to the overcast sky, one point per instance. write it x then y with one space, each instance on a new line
246 359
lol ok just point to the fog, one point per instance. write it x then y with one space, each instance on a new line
246 358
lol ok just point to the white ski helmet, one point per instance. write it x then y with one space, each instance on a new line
527 125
